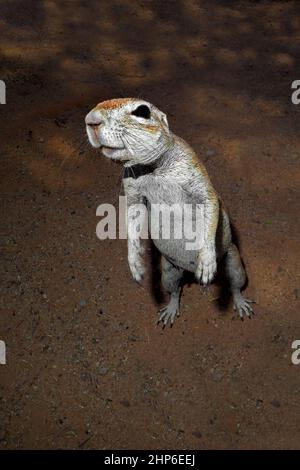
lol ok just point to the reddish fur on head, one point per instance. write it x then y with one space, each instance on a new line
113 104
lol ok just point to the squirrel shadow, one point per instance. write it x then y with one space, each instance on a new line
157 291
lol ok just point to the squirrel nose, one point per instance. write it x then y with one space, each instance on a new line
92 120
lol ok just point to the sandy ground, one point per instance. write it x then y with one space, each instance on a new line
87 366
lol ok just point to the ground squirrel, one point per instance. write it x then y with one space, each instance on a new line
160 167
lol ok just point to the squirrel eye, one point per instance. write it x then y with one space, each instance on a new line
142 111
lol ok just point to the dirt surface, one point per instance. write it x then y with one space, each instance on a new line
87 366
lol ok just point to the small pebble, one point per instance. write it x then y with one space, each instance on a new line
210 152
296 293
216 375
103 370
276 403
125 403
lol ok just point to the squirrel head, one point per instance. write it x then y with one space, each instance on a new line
129 129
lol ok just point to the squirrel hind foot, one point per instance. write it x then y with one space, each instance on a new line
243 306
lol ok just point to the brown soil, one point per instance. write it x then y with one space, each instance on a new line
87 366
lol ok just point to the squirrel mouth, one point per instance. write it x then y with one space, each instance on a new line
115 153
106 147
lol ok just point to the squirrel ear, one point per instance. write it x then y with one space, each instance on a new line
164 120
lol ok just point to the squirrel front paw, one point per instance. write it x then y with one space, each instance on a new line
207 265
136 267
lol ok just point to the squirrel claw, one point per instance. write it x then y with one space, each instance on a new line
206 272
243 306
168 314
